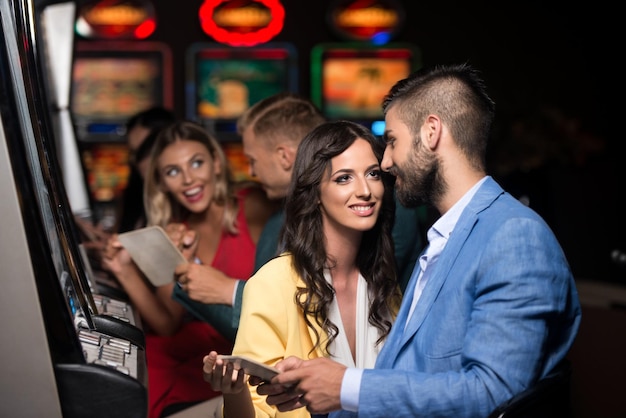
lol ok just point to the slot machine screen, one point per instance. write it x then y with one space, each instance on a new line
239 164
225 81
349 81
107 170
111 83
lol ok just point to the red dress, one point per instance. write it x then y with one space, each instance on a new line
175 362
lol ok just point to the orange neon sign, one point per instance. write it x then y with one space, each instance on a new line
116 19
366 20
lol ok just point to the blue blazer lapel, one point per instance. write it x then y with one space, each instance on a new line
392 344
438 277
483 198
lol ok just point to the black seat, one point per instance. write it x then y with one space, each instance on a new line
550 397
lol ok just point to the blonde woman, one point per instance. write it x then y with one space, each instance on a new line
190 192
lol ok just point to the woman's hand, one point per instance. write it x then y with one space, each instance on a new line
222 377
115 258
185 239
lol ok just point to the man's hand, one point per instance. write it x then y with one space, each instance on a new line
315 384
205 284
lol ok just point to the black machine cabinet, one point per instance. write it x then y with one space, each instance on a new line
60 355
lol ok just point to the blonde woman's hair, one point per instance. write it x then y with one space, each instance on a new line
161 207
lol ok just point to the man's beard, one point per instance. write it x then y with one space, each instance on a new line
420 179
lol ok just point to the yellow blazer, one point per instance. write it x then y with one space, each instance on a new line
272 327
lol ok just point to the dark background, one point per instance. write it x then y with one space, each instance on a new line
551 68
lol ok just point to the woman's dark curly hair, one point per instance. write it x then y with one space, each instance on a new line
302 233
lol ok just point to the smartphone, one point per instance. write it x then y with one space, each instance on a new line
251 367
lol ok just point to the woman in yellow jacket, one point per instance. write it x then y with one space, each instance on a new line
333 290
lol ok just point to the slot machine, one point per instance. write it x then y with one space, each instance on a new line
350 80
223 81
61 356
110 82
56 28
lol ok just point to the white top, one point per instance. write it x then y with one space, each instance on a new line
366 334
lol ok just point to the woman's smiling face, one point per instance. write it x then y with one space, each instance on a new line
351 195
188 172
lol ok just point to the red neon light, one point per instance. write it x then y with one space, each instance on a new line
242 39
145 29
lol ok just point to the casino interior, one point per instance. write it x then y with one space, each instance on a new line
73 72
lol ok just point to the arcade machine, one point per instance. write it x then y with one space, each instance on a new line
350 79
61 357
116 73
223 81
241 67
57 32
110 83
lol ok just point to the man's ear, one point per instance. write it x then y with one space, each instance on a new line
286 156
431 131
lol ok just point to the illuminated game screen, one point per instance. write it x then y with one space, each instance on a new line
239 164
107 170
114 88
350 82
111 84
225 81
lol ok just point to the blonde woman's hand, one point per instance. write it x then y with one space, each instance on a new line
115 258
185 239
